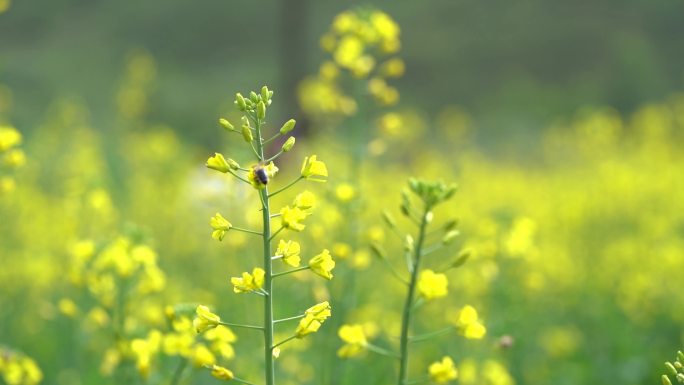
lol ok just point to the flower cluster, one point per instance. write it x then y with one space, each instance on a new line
11 156
261 175
674 369
362 43
18 369
423 285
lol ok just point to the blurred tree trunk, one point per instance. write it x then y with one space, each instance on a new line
294 57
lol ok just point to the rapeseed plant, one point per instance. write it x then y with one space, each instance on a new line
260 281
17 368
11 157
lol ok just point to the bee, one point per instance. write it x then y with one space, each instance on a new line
260 174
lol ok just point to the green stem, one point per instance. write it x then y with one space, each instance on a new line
427 336
288 318
381 351
241 326
240 380
274 157
290 271
268 268
245 230
239 177
178 373
283 341
406 318
276 233
286 187
271 138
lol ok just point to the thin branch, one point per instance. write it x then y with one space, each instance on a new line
245 230
241 326
290 271
286 187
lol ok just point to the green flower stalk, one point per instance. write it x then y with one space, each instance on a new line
260 280
423 285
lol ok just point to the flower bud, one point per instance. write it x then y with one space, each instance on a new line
218 163
265 95
449 236
226 124
389 219
678 365
680 377
289 143
233 164
666 380
680 356
429 216
240 102
408 243
287 127
460 259
253 97
247 134
670 368
378 251
261 110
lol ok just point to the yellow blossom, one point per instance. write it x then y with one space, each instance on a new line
220 226
469 324
314 170
289 252
15 158
291 218
322 264
313 319
249 282
354 339
67 307
221 373
345 192
304 200
432 285
443 371
218 163
9 137
201 356
205 319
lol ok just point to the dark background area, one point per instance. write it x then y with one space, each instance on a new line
513 65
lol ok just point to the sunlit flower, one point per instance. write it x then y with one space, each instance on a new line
314 170
469 324
354 339
322 264
304 200
290 252
270 170
292 217
432 285
249 282
443 371
313 319
218 163
205 319
221 373
220 226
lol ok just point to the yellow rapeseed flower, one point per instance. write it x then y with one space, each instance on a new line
249 282
432 285
292 217
354 339
270 169
218 163
469 324
443 371
205 319
322 264
9 137
290 252
304 200
202 356
313 319
220 226
314 170
221 373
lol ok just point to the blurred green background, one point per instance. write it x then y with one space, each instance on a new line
514 65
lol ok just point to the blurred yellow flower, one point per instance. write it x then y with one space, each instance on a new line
432 285
443 371
218 163
469 324
220 226
314 170
322 264
304 200
202 356
249 282
221 373
9 137
345 192
354 339
205 319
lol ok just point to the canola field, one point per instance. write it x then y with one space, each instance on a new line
374 244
